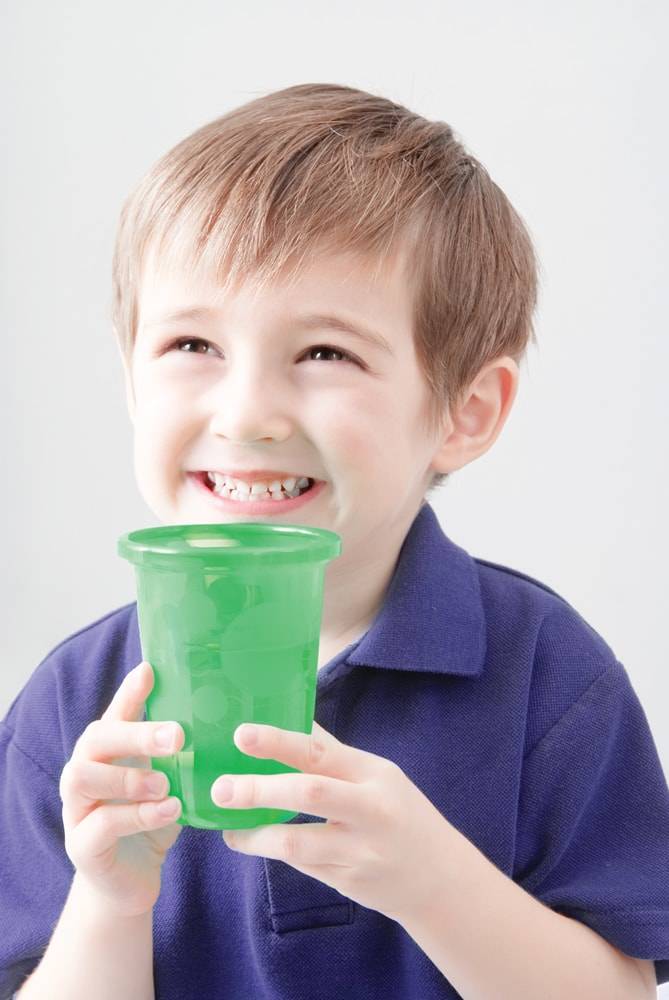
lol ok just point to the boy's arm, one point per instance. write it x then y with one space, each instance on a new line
94 953
491 938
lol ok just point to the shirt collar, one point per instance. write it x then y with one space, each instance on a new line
432 617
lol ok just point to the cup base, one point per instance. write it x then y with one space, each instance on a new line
238 819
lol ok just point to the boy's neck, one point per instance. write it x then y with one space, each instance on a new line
351 601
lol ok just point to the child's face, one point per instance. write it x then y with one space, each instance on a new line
257 398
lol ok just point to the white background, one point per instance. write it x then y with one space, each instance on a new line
564 104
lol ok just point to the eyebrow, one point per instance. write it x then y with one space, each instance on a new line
305 321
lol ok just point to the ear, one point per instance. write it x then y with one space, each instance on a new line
129 387
475 425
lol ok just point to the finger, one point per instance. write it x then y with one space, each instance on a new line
313 794
85 784
103 740
99 832
302 845
316 753
128 701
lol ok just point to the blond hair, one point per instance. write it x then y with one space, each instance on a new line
319 167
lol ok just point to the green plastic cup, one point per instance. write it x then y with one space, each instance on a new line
229 619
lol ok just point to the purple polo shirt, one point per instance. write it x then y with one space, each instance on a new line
493 695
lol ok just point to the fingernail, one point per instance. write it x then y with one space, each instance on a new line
137 675
248 735
168 807
165 737
223 789
156 784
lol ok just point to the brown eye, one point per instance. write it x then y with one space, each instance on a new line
324 349
190 340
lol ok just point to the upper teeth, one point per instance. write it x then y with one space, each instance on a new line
221 481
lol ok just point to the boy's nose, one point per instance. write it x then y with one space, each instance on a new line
246 408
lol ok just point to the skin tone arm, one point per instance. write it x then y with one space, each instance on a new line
388 848
117 837
490 938
93 952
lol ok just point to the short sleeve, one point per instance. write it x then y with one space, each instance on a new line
35 870
593 821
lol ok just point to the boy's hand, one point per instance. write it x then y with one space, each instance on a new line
381 832
118 849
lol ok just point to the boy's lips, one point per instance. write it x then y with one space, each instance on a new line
202 484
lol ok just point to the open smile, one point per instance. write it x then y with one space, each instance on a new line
259 506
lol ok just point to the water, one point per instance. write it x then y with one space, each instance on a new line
219 689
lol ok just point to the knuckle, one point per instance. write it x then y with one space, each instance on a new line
91 732
71 843
80 841
130 782
70 778
315 752
363 873
90 738
389 768
146 817
374 861
90 831
247 790
103 821
289 846
64 781
314 790
147 739
382 812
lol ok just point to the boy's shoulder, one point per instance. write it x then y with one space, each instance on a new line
507 607
516 599
108 634
73 685
565 657
509 571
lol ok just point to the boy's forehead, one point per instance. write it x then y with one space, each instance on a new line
357 281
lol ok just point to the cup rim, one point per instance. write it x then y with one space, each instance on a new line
280 543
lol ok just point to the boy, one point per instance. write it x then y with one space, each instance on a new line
354 295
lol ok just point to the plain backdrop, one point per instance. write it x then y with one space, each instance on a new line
565 105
